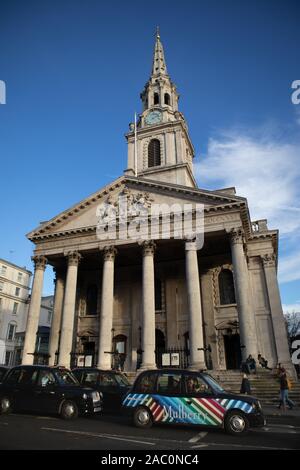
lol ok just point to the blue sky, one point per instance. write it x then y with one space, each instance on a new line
74 70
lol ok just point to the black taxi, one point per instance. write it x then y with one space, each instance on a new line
185 397
112 384
46 389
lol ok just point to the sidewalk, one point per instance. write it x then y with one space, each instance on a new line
270 410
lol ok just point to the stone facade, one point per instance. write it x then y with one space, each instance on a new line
214 305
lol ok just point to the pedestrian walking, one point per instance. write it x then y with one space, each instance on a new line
245 385
284 391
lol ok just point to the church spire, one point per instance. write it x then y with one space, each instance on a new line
159 64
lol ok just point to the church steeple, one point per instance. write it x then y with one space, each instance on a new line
159 64
164 150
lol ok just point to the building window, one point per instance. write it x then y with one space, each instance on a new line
20 276
49 317
226 287
91 299
159 295
0 304
17 293
11 331
3 270
8 357
156 98
1 286
15 308
154 153
167 99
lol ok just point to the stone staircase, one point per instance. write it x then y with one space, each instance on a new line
264 384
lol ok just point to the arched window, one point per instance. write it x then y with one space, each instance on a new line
154 153
226 287
156 98
91 299
167 98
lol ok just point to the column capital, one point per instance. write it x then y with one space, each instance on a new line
148 247
269 260
236 235
39 262
73 258
109 253
190 243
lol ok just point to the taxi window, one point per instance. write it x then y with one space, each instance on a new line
13 376
107 380
146 383
46 378
27 376
195 384
169 383
90 378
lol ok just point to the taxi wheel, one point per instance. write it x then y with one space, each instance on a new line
142 417
5 405
236 423
69 410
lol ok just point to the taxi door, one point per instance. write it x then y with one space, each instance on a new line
200 402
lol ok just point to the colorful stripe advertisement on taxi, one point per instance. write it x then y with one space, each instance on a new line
209 411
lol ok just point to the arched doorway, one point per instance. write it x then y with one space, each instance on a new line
160 346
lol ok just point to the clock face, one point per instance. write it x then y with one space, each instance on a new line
154 117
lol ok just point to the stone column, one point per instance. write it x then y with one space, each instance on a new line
197 358
279 328
107 303
67 324
243 295
148 307
57 314
34 309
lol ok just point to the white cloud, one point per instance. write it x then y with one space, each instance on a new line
266 169
291 308
289 267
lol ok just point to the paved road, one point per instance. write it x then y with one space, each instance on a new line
112 432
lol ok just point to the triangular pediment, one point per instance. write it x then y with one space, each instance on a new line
84 214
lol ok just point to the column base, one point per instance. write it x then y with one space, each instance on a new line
147 367
104 366
196 366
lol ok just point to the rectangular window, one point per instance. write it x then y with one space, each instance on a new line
1 286
15 308
17 293
20 276
8 356
49 317
0 304
11 332
3 270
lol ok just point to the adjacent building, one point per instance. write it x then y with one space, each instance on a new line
139 299
14 291
41 350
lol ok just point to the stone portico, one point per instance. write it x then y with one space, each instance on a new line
217 303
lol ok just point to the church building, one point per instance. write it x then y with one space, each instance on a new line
163 300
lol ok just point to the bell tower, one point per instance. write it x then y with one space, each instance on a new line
164 150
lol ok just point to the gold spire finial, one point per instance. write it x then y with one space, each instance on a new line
157 32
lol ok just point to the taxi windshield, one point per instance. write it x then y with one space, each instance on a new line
213 384
65 377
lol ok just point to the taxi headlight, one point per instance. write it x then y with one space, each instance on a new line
95 396
84 396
